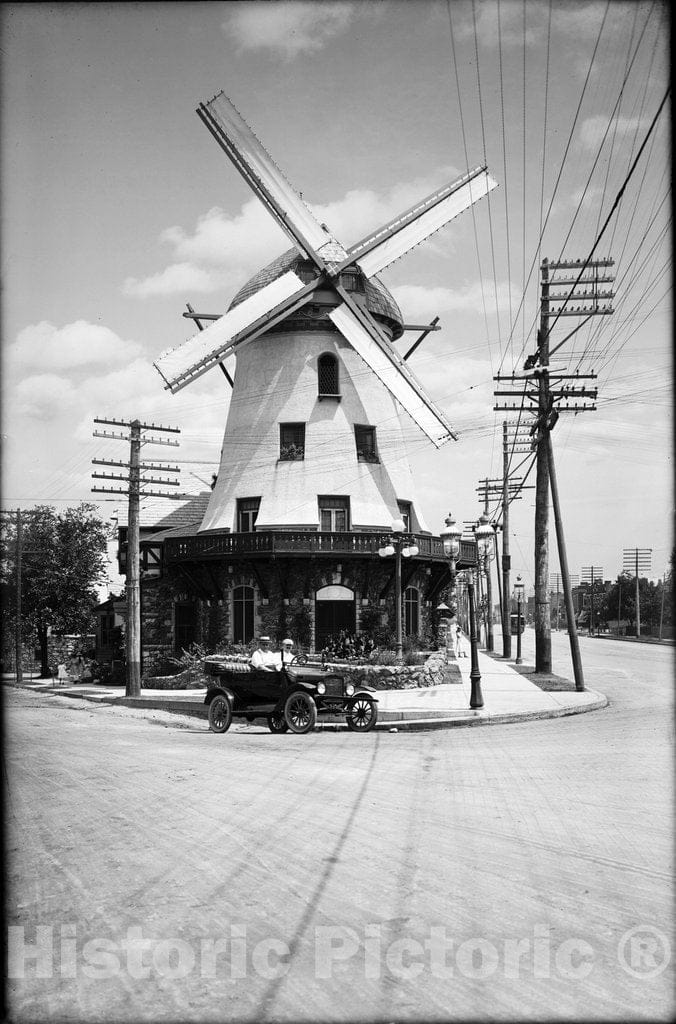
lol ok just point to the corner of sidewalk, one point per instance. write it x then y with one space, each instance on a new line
508 695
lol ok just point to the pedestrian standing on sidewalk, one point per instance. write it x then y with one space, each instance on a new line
460 648
62 672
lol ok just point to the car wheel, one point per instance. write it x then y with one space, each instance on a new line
277 722
220 714
300 712
362 715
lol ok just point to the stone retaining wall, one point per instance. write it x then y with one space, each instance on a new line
434 672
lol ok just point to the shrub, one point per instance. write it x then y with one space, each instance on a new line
301 627
369 620
383 658
414 658
383 636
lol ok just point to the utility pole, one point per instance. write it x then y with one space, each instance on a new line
591 574
543 390
515 441
563 562
18 516
637 559
136 489
543 640
485 552
18 637
509 491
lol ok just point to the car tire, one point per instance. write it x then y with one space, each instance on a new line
363 714
277 722
300 712
220 714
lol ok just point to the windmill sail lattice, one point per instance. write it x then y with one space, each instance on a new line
284 296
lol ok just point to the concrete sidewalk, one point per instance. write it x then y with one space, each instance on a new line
508 696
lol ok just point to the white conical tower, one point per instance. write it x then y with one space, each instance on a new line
303 383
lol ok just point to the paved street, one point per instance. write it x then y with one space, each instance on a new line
513 872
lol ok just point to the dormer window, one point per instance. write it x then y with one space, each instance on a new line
328 384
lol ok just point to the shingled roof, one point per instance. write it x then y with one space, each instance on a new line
379 300
170 513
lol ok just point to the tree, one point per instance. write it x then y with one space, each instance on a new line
63 560
622 597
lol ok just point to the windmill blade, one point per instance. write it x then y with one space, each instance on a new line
255 165
253 316
377 251
390 368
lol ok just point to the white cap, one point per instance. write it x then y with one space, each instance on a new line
287 641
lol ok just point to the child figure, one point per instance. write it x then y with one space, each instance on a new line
62 673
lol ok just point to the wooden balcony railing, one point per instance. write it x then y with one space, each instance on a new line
301 542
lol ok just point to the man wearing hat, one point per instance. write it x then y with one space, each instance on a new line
264 657
287 651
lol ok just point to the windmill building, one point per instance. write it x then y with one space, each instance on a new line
313 470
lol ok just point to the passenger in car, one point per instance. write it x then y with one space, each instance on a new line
265 658
287 651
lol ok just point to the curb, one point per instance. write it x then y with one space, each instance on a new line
459 720
474 718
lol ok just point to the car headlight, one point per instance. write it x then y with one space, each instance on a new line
321 687
349 689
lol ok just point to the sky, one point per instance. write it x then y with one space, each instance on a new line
118 208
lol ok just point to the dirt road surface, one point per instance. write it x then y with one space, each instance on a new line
160 872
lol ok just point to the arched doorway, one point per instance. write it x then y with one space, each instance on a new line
334 611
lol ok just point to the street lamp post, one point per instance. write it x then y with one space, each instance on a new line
476 699
518 590
399 545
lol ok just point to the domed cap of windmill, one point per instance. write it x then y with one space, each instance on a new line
379 301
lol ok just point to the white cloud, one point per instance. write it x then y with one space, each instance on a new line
419 301
178 277
249 237
289 27
363 210
44 396
593 129
73 346
491 33
223 251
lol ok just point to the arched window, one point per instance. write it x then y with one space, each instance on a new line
243 614
412 611
327 376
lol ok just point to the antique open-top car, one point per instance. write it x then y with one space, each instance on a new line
290 698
